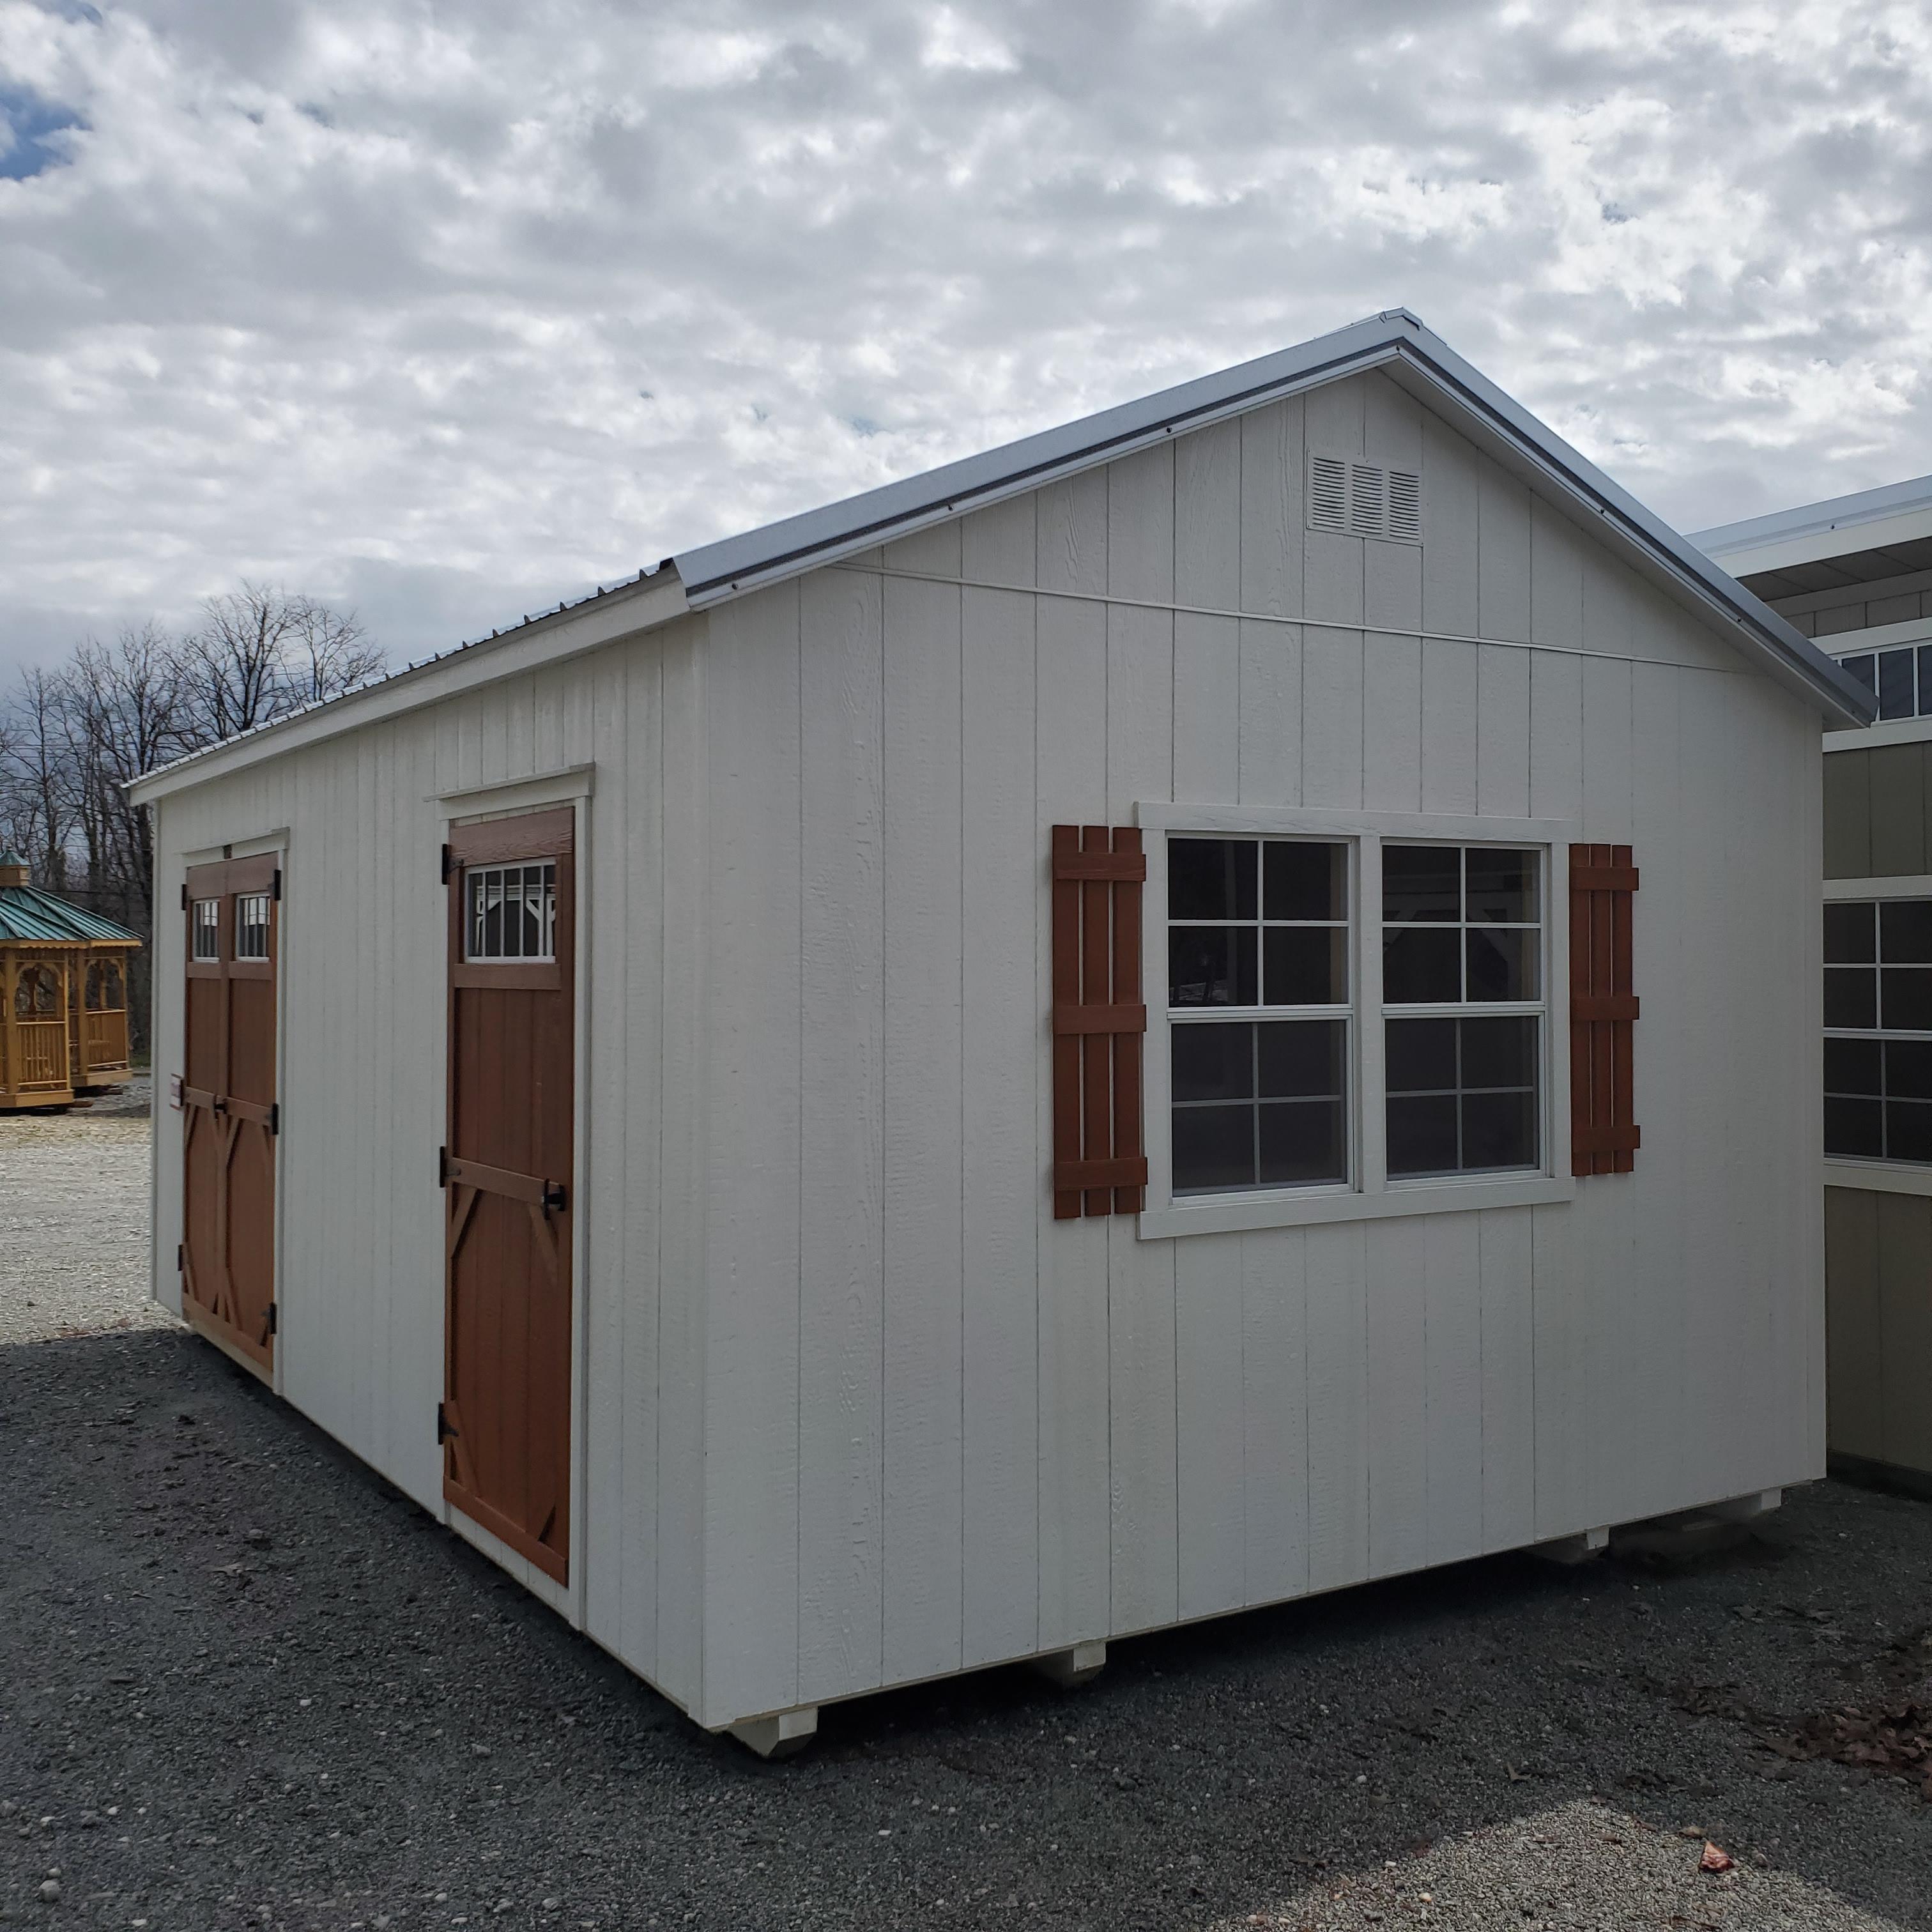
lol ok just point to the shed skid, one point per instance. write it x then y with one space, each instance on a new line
937 1297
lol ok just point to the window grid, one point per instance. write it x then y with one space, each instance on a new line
1259 1014
512 913
251 926
1878 996
1899 678
1490 990
208 928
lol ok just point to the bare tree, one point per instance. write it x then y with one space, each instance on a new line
38 776
260 652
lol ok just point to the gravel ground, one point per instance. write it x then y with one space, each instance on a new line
242 1683
74 1220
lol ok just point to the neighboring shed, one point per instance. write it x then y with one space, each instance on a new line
1855 572
1049 1050
63 994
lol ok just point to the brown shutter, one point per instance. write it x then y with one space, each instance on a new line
1099 1021
1603 1134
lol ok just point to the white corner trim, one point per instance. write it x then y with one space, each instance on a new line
564 785
1878 1177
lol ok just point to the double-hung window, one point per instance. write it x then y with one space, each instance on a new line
1878 1030
1258 969
1356 1022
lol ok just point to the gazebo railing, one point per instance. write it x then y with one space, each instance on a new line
104 1039
40 1048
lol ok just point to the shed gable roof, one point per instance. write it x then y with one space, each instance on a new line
1394 340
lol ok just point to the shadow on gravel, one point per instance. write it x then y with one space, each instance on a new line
244 1682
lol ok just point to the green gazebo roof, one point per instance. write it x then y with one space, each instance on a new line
26 912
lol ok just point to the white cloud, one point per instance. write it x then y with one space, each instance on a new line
453 311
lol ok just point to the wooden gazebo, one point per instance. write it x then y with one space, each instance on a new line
63 995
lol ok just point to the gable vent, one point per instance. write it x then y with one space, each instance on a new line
1327 493
1364 499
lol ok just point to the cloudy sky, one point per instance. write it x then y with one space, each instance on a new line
447 311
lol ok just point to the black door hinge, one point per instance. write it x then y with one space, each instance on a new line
443 1431
181 1258
447 865
553 1197
275 1116
275 886
184 896
274 1321
442 1167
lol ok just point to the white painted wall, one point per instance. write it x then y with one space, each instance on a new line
858 1411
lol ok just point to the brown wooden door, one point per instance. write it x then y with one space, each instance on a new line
507 1171
231 1114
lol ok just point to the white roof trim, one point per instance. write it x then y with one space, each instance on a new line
714 572
1833 514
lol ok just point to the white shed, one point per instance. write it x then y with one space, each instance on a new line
697 1090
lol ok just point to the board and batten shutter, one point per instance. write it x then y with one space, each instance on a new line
1603 1134
1099 1021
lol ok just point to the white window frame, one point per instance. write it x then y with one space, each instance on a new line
475 876
243 925
1371 1195
197 925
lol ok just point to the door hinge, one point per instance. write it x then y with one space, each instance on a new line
184 896
442 1167
275 1116
275 886
181 1258
553 1197
443 1431
274 1322
447 865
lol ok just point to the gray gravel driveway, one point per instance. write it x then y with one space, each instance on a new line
242 1683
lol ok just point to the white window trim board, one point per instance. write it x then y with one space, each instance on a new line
1373 1196
1901 885
1877 1177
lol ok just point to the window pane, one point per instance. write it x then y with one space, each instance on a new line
1905 931
1211 966
1300 1057
1908 1069
1420 1056
1906 997
1422 1134
1851 1066
1850 934
1502 963
1419 963
1214 1063
1908 1130
1851 996
1502 887
1895 696
1304 881
1422 882
1214 1147
1210 878
1305 965
1301 1141
1864 668
1498 1053
1498 1130
1851 1128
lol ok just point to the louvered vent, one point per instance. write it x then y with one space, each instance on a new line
1364 499
1327 493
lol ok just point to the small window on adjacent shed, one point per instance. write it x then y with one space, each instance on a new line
207 928
512 912
251 926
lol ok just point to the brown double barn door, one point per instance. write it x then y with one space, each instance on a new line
231 1115
507 1173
